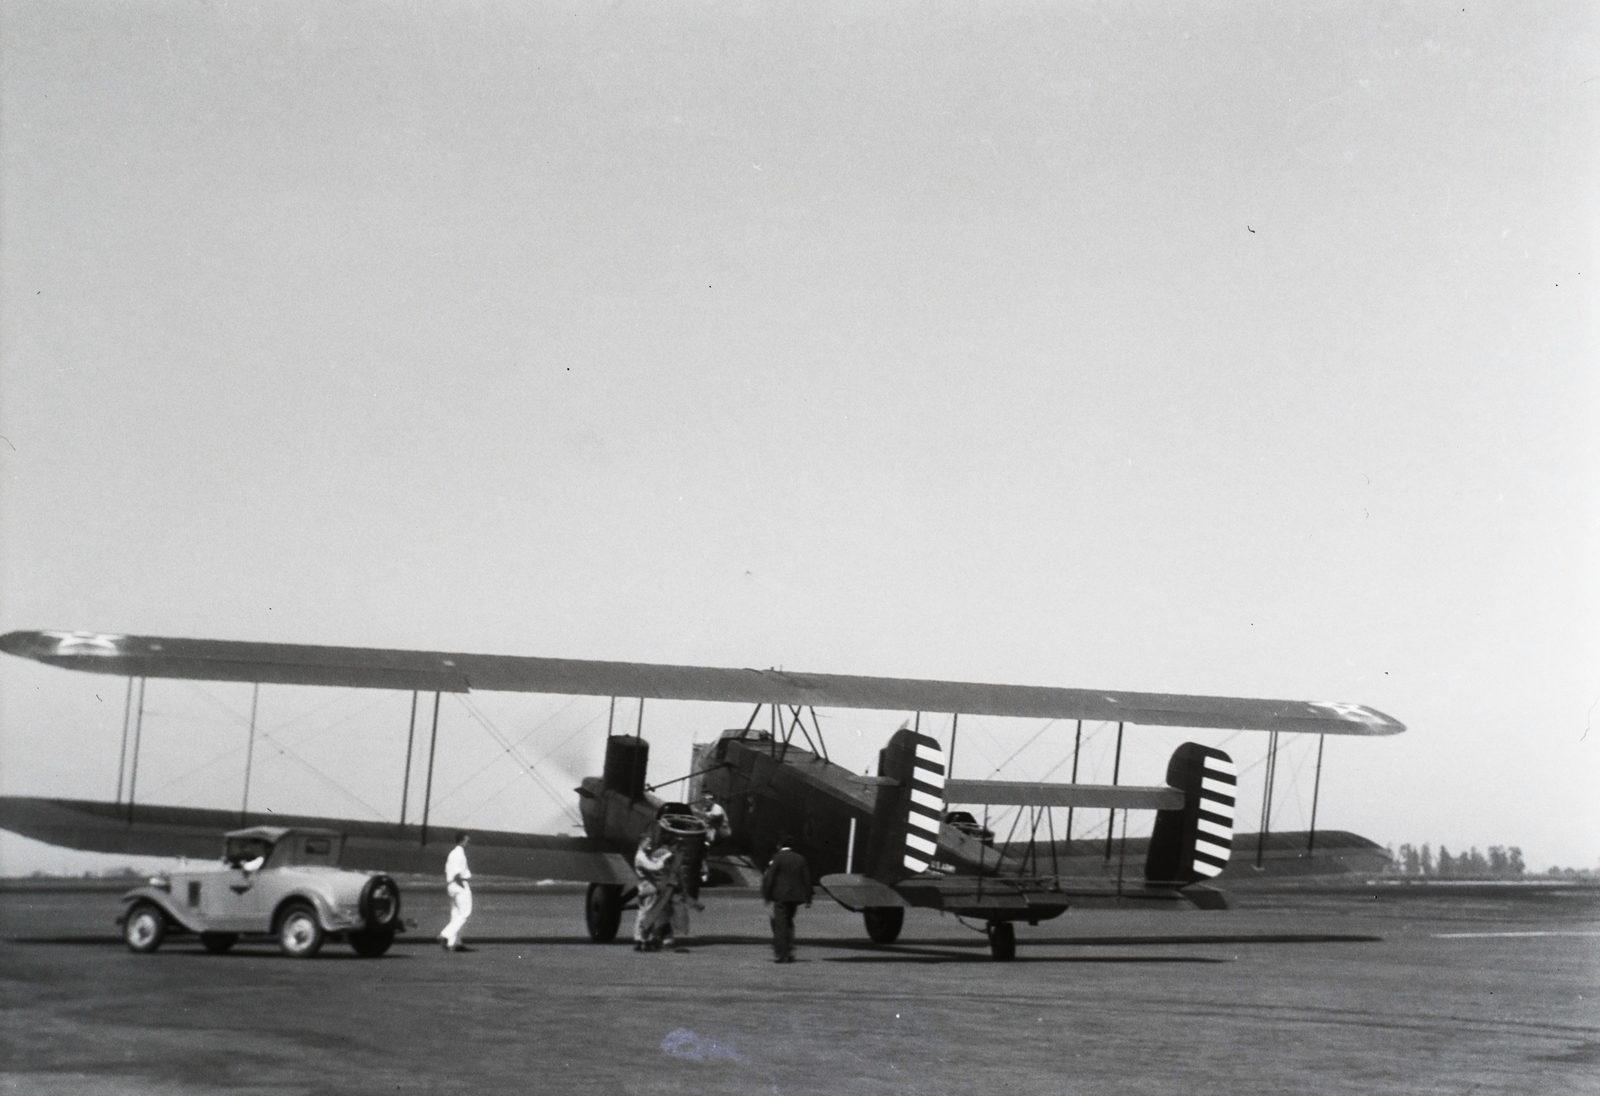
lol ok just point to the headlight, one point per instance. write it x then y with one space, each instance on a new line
161 882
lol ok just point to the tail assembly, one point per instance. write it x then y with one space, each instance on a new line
1194 843
910 807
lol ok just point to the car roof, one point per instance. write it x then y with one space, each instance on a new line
274 833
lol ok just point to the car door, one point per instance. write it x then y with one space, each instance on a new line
227 900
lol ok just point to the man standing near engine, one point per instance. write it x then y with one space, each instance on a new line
708 810
652 863
456 874
786 884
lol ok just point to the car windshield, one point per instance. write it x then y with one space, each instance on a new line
240 851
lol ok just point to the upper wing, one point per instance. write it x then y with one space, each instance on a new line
373 668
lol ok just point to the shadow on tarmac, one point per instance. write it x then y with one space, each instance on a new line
903 955
850 944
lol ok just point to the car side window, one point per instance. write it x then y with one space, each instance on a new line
247 854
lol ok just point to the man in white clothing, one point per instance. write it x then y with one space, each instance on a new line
456 874
708 810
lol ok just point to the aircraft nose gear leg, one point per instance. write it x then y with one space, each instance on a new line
1002 940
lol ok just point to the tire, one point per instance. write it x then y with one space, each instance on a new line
145 928
883 923
380 903
218 942
602 909
300 935
371 943
1002 941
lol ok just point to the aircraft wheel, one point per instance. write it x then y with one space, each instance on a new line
602 909
371 943
299 934
1002 940
145 928
218 942
883 923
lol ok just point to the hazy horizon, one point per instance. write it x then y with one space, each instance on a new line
1222 350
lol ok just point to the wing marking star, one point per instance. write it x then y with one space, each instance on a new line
86 643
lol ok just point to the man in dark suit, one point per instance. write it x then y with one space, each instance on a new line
785 885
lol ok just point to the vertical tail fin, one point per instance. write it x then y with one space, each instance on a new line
906 820
1195 842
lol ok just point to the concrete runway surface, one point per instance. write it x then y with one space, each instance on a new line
1481 991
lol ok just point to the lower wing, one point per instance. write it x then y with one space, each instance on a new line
196 833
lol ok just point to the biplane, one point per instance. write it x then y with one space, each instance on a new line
879 843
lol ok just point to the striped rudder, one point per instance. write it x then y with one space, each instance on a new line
1195 842
910 809
926 809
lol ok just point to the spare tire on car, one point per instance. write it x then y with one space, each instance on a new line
380 903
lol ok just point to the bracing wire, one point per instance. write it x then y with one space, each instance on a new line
319 774
1048 724
516 755
496 760
283 747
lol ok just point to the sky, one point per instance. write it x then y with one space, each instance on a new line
1228 349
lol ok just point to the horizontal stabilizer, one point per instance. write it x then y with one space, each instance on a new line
429 671
859 892
1022 793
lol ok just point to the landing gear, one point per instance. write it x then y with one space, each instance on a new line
1002 940
602 909
883 923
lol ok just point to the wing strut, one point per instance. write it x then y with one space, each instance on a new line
250 751
405 781
122 755
138 733
433 746
1268 781
1111 819
1077 744
1316 788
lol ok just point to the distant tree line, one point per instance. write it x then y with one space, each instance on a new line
1500 863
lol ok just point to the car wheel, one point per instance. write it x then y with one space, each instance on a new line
299 934
371 943
883 923
1002 940
145 928
218 942
602 909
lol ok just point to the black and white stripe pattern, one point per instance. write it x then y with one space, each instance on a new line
1213 838
926 808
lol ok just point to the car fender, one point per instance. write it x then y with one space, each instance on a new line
162 901
326 917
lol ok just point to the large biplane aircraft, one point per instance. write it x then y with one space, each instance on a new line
880 844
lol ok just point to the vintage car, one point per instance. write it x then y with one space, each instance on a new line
284 883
